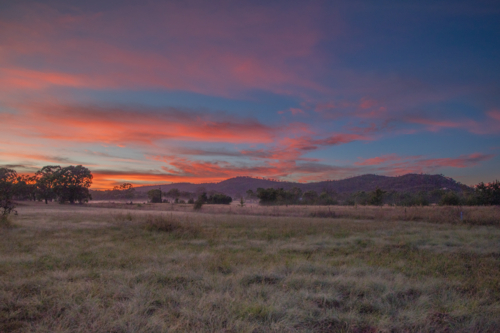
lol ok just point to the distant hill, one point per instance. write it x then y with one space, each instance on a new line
239 185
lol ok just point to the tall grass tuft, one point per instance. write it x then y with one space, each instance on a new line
5 222
170 224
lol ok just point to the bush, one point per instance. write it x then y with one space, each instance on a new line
7 191
198 204
155 196
5 222
377 197
450 199
488 194
169 224
219 199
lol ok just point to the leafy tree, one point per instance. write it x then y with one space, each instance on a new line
187 195
155 195
294 195
310 197
25 187
7 190
202 199
251 194
360 197
450 199
198 204
173 193
267 196
410 199
72 184
326 199
377 197
45 183
219 199
488 194
125 191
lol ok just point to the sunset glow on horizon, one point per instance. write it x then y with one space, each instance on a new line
156 92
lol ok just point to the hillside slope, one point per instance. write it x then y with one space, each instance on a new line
239 185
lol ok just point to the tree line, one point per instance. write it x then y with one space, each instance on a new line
214 198
52 182
480 195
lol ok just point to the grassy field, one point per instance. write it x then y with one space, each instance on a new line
165 268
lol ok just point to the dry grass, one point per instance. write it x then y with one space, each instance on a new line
475 215
5 222
82 269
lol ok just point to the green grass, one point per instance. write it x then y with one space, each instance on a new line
82 269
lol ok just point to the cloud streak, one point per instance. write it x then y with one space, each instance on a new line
219 52
123 126
394 164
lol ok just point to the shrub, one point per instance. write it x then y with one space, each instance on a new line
198 204
322 213
219 199
171 225
7 178
377 197
450 199
155 196
5 222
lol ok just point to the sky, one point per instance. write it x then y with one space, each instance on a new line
154 92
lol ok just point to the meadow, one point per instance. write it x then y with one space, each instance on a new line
165 268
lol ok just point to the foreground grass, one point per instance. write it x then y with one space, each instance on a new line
79 269
473 215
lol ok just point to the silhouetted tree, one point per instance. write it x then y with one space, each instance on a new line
155 195
173 193
219 199
450 199
124 191
326 199
488 194
7 190
72 184
46 178
25 187
310 197
250 194
267 196
377 197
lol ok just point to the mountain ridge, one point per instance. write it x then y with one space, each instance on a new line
237 186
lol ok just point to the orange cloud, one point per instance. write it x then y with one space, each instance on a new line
38 157
133 126
20 78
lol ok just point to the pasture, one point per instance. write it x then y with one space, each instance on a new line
165 268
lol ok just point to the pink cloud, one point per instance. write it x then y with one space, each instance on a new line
379 160
394 164
122 126
367 103
494 114
221 52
